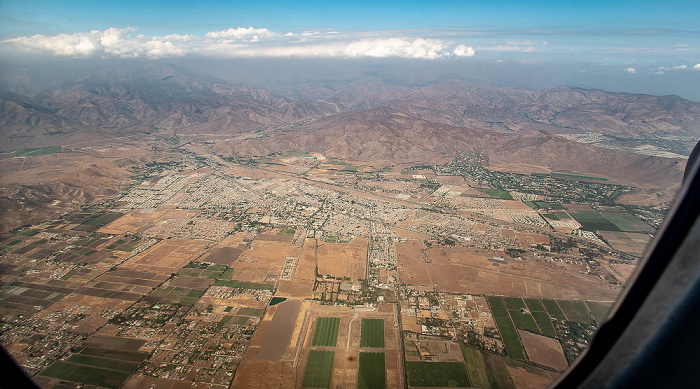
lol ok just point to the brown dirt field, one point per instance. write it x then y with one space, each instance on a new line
166 256
280 331
256 374
543 350
306 267
222 255
410 323
263 262
408 234
627 242
524 379
295 289
138 382
463 269
411 266
526 239
274 238
343 259
140 220
621 271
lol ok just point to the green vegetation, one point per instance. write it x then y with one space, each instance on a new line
486 370
593 220
240 320
319 369
436 374
14 242
250 312
498 309
32 151
227 274
545 205
86 374
571 176
510 337
372 372
599 310
545 323
243 285
534 305
372 333
553 309
627 222
575 311
277 300
326 331
133 356
113 364
524 321
497 193
514 303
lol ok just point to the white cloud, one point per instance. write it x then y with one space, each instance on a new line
680 67
242 34
463 51
696 67
239 42
630 70
511 48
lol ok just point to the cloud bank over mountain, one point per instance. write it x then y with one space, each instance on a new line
241 42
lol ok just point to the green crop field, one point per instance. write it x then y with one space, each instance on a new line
599 310
107 363
243 285
545 323
250 312
319 369
372 373
133 356
524 321
501 194
326 331
593 220
553 309
510 337
277 300
498 309
575 311
32 151
545 205
514 302
86 374
534 305
486 370
437 374
372 333
627 222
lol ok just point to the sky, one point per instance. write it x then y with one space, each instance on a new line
639 46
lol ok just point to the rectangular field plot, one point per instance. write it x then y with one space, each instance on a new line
372 372
575 311
437 374
498 309
107 363
524 321
553 309
326 332
86 374
510 337
599 310
372 333
534 305
319 369
593 220
486 370
514 302
545 323
627 222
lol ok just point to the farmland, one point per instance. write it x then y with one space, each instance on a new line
319 369
371 374
372 333
437 374
326 332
